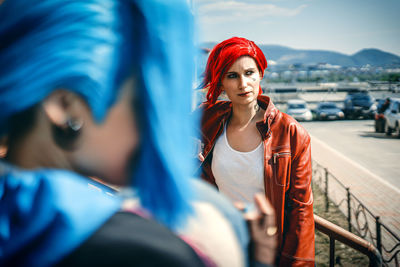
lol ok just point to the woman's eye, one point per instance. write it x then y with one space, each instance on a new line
249 72
231 75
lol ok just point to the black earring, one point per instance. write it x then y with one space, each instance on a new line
66 136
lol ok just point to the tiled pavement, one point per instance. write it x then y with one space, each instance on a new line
377 195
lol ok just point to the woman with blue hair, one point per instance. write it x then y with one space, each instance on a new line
99 88
84 88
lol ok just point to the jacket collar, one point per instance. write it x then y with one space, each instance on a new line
221 111
271 113
43 206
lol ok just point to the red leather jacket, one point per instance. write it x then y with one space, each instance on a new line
287 175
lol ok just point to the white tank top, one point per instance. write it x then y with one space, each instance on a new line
238 175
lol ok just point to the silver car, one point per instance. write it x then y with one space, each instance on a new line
392 116
298 109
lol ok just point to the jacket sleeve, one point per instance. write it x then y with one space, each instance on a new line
298 243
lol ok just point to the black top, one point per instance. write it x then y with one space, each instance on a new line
127 239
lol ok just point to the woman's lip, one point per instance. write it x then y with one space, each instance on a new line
244 94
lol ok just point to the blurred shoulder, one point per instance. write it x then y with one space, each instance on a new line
128 239
215 216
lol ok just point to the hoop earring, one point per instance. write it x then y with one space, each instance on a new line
66 136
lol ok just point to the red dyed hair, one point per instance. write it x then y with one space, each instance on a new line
221 59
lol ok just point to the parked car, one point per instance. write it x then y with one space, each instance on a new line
328 111
359 104
392 117
380 120
298 109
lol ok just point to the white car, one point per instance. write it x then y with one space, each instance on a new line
298 109
392 116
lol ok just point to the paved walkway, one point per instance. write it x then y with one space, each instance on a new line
376 194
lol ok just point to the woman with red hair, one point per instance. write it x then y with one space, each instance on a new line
249 146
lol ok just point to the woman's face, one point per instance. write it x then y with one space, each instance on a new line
241 82
105 149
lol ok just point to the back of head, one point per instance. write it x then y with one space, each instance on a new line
85 46
90 47
221 59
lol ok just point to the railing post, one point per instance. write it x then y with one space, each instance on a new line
326 190
348 208
378 235
331 251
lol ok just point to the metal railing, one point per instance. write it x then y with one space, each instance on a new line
337 233
360 219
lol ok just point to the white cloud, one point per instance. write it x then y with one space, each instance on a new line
211 12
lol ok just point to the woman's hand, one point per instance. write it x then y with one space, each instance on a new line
262 227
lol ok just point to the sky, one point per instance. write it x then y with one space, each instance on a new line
345 26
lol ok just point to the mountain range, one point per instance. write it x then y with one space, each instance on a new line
286 55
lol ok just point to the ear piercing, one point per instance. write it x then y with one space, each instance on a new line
66 136
74 125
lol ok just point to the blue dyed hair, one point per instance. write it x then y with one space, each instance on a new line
91 47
